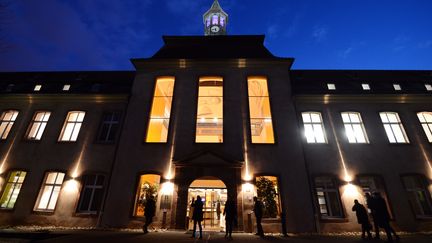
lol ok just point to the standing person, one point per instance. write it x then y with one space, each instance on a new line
258 210
362 218
149 212
383 217
197 216
191 209
218 209
230 213
370 201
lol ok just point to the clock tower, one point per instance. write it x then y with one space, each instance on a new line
215 20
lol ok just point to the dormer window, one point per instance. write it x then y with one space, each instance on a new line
37 87
66 87
428 87
365 86
397 87
331 86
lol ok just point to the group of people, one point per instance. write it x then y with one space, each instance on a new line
380 217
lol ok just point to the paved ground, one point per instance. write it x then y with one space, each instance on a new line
183 237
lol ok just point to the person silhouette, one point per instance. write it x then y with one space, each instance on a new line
149 212
383 217
370 201
258 210
230 213
197 216
362 218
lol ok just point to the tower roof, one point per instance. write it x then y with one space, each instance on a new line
214 9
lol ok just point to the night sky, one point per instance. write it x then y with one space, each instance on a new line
56 35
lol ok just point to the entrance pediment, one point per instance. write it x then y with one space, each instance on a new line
208 159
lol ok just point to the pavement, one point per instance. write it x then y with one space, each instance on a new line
94 236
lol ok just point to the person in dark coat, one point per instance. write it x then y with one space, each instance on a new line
149 212
362 218
383 216
230 213
197 216
258 210
370 201
218 209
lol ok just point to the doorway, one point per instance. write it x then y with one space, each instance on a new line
213 193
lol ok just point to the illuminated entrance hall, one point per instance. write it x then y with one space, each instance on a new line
213 194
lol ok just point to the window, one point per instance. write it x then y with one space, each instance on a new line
12 189
37 87
209 123
268 192
418 195
372 184
148 186
109 127
157 130
72 126
214 19
259 111
328 197
393 127
66 87
365 86
7 120
331 86
49 192
426 122
354 127
91 194
314 127
428 87
37 125
397 87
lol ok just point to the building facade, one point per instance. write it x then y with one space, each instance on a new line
217 116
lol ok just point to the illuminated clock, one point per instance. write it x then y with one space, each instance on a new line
214 29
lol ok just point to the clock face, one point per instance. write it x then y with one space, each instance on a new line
214 29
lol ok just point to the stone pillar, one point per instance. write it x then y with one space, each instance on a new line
182 204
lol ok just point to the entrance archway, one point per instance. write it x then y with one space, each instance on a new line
213 193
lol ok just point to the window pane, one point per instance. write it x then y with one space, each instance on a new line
12 189
161 107
262 131
393 127
354 127
6 122
72 126
75 132
157 130
54 198
148 185
425 119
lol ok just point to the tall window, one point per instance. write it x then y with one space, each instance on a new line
12 189
49 192
426 122
91 194
7 120
72 126
418 195
393 127
314 127
259 111
328 197
268 191
354 127
148 186
157 131
209 125
372 184
37 125
109 126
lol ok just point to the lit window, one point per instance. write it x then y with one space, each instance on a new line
314 127
354 127
331 86
157 130
222 21
214 19
208 22
428 87
328 197
365 86
268 185
109 127
49 192
418 195
148 186
91 194
37 125
259 111
209 124
397 87
72 126
37 87
7 120
426 122
12 189
66 87
393 127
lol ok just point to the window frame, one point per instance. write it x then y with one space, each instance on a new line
133 213
2 114
428 124
42 187
279 190
33 121
400 125
350 123
312 123
59 139
425 189
6 182
169 133
101 124
275 138
336 184
94 187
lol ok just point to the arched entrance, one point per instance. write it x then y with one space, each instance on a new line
213 193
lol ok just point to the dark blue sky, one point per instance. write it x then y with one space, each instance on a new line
44 35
